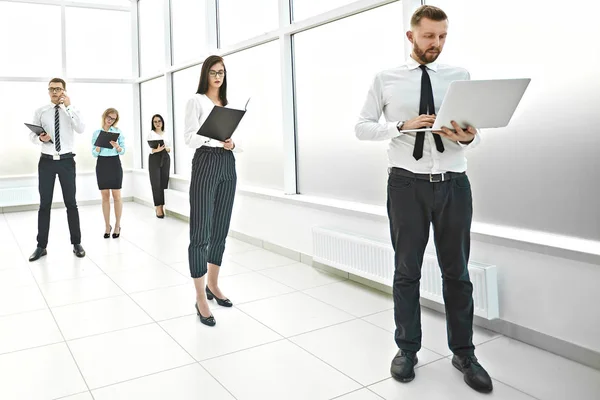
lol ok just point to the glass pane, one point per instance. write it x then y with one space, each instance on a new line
242 19
189 29
92 99
20 156
185 84
260 132
332 81
303 9
97 49
33 48
551 126
154 101
151 36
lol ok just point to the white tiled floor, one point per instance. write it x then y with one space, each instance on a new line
120 324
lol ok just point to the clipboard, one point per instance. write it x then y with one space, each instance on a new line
481 104
155 143
38 130
222 122
104 139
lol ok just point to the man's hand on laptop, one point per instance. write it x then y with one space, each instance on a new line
465 136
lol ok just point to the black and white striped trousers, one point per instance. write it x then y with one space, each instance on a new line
212 190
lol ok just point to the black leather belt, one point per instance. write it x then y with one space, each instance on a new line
62 156
446 176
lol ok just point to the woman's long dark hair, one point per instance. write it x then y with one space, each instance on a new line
161 120
203 84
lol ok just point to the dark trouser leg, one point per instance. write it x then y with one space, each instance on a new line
66 176
409 211
452 216
222 210
46 179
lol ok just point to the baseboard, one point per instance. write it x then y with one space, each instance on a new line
35 207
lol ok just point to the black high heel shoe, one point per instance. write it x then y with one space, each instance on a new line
210 320
107 235
222 302
116 235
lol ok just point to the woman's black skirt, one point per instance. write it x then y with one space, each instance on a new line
109 172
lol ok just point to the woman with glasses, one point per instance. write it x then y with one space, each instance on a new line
212 189
109 172
159 164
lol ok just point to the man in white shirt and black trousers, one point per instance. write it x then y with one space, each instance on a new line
427 185
60 120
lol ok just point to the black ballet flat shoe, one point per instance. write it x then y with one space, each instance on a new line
210 320
222 302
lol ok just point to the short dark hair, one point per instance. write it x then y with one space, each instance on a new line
58 80
161 120
203 84
429 12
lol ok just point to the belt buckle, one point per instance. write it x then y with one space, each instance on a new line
433 176
56 157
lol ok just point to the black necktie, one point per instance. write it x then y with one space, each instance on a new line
426 106
56 129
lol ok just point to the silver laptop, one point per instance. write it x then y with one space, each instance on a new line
481 104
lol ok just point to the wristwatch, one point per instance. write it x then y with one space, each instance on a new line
400 125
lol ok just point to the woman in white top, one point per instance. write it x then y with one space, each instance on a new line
159 164
212 189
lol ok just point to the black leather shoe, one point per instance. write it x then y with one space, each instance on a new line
475 376
78 250
107 235
210 320
39 252
115 234
222 302
403 366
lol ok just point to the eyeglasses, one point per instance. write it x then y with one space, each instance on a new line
220 74
55 89
110 119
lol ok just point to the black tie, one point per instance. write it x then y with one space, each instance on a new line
56 129
426 106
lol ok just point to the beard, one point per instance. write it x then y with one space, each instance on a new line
425 56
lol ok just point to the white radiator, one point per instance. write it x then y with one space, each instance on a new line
374 260
19 196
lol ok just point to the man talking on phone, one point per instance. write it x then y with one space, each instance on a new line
60 120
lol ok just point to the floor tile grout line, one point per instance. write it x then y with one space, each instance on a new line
58 326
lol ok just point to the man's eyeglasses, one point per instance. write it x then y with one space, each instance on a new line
55 89
212 73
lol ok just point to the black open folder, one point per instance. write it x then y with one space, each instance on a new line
222 122
104 139
38 130
155 143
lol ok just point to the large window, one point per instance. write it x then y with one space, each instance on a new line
532 173
242 19
303 9
185 84
255 74
152 36
98 43
154 101
18 155
30 43
189 29
335 65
